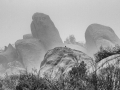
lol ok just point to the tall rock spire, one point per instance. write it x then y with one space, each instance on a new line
44 29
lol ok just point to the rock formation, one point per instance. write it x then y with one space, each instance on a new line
104 43
31 52
27 36
9 55
44 29
98 35
61 60
5 48
111 60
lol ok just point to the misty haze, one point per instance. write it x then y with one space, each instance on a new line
59 45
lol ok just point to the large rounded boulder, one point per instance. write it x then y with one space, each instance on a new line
61 60
98 35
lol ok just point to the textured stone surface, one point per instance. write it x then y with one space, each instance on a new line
111 60
96 33
61 60
31 51
44 29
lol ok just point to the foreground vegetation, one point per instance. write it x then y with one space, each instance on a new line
109 79
77 78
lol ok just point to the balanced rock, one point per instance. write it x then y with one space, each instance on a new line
44 29
60 60
31 52
101 35
27 36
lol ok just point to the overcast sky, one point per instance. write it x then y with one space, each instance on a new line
69 16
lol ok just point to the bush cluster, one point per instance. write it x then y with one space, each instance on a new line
106 52
77 79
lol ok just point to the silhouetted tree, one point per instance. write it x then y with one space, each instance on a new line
72 40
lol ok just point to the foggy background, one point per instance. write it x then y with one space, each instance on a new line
69 17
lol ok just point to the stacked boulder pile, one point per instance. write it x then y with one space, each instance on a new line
44 50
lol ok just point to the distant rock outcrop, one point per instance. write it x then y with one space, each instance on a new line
27 36
60 60
31 51
60 57
98 35
5 48
44 29
9 55
104 43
